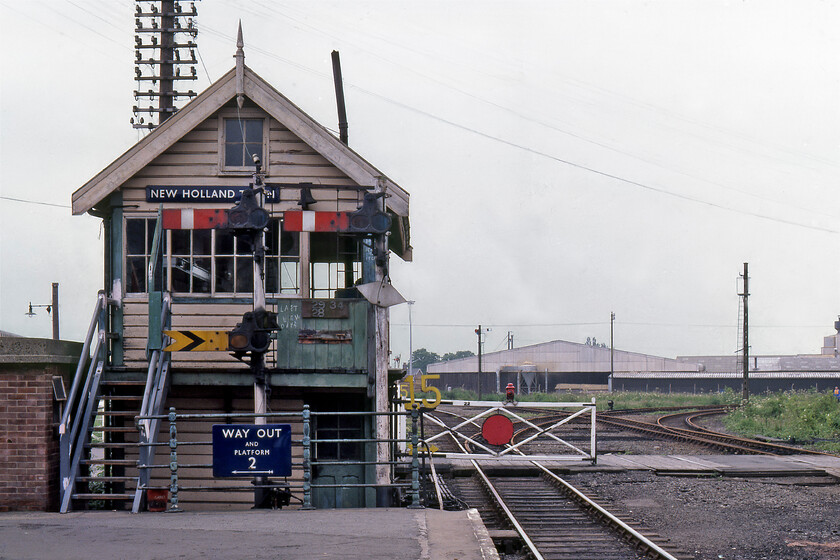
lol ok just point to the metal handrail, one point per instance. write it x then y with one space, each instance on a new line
306 443
155 361
101 301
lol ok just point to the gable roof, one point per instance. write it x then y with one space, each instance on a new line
208 102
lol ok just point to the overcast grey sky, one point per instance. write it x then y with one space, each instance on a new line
564 159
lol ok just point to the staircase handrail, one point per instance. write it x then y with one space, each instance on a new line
154 393
101 302
156 357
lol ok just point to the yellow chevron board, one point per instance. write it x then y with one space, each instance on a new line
196 341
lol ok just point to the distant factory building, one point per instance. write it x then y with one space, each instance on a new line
560 365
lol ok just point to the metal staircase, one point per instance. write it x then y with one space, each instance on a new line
101 447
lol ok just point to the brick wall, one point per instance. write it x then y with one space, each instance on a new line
29 456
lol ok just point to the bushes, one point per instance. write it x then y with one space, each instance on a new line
797 415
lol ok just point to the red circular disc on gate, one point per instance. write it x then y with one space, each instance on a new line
497 429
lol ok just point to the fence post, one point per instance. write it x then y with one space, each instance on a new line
307 459
173 462
415 460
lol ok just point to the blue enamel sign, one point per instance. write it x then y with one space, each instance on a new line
252 450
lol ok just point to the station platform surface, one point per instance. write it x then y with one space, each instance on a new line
725 465
369 534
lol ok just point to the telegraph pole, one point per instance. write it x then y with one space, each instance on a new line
478 332
745 394
612 353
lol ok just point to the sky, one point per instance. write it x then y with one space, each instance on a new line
566 160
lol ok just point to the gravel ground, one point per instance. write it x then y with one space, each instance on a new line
725 518
749 519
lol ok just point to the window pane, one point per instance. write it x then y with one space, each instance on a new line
250 150
289 277
135 270
244 275
135 231
233 155
253 130
224 274
201 276
243 246
233 132
180 274
271 279
224 242
290 244
180 242
271 237
201 242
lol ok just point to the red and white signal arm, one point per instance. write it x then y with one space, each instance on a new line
191 218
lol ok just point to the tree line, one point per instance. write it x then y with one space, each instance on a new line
421 357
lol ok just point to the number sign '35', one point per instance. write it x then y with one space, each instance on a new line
252 450
408 392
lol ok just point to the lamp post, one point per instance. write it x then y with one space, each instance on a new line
479 331
410 342
52 309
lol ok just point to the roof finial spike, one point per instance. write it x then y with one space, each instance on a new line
240 67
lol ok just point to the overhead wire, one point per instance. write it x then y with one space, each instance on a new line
544 123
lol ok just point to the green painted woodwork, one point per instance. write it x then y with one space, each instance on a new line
292 354
154 340
116 275
302 380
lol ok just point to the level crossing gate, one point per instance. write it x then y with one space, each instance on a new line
542 430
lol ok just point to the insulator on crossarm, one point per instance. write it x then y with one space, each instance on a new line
192 70
178 7
138 41
137 72
154 9
137 9
138 23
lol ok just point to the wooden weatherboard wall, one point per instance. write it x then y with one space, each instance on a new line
322 351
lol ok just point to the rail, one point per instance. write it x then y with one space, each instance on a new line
302 491
631 535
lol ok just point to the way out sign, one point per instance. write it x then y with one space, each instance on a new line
252 450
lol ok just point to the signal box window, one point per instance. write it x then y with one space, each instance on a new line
243 139
210 261
335 427
139 236
335 264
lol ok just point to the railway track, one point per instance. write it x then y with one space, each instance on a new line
682 426
554 520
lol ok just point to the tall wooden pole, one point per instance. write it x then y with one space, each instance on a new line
746 349
478 332
167 56
55 310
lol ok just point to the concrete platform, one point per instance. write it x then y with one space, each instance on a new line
363 534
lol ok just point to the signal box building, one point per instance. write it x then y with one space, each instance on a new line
331 351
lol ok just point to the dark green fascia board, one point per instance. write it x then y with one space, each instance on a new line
303 380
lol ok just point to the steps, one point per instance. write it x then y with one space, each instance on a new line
108 471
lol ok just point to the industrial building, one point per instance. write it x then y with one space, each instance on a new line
561 365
